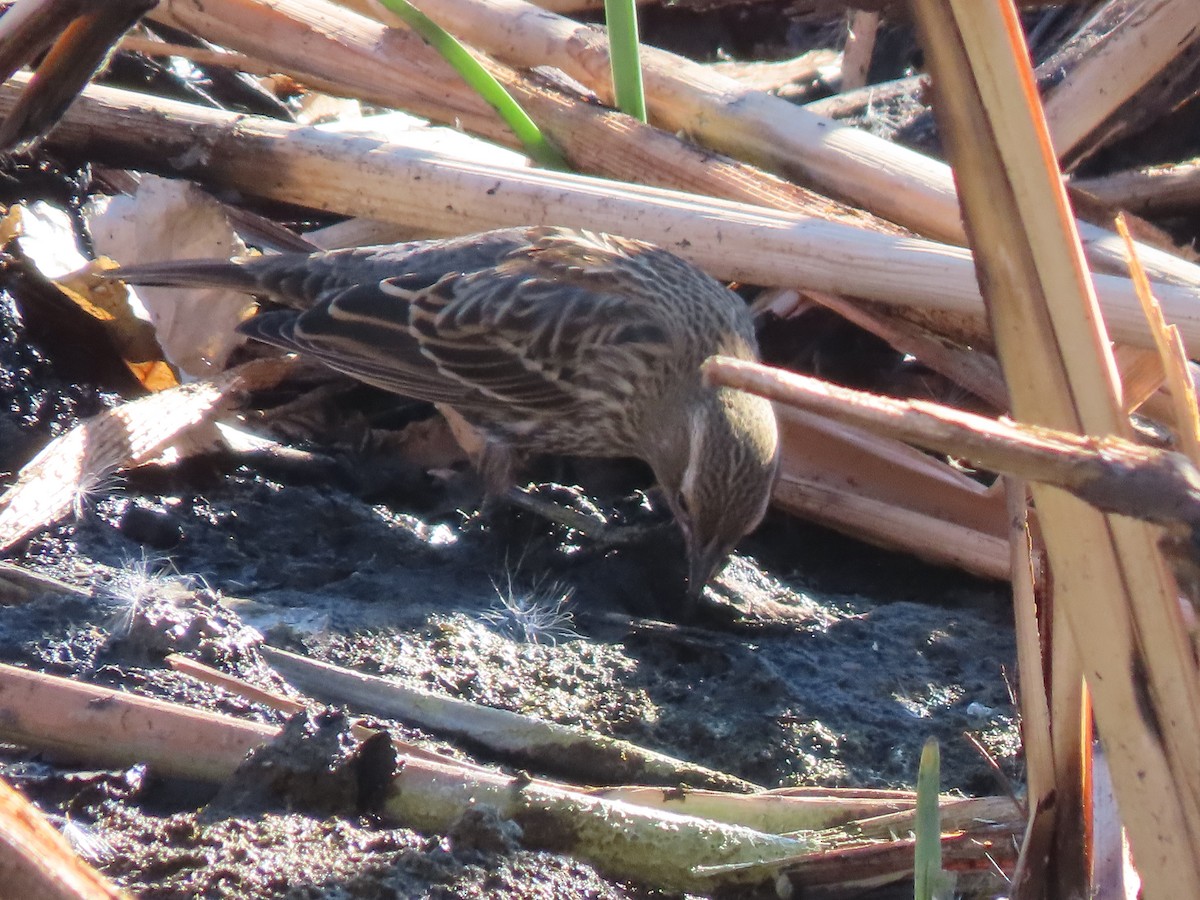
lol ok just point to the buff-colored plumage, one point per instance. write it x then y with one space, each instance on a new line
547 340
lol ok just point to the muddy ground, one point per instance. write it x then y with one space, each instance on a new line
347 557
345 554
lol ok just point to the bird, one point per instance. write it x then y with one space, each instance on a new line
546 340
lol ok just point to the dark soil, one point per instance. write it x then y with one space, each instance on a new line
879 653
351 557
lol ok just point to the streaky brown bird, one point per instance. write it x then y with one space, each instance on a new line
548 340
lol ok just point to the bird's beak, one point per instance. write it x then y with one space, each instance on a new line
703 564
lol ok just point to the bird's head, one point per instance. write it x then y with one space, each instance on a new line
719 476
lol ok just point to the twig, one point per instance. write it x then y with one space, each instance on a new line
1113 474
534 742
38 862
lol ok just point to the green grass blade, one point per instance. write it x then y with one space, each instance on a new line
480 80
621 17
927 869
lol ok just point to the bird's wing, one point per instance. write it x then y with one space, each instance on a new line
540 340
516 334
378 354
541 318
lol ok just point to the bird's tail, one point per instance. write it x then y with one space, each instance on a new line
283 277
188 273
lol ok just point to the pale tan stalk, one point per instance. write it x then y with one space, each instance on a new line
777 76
861 101
764 811
1141 374
1030 877
860 46
114 728
37 861
20 585
1151 36
957 814
886 493
199 55
1172 357
448 195
536 743
891 181
1110 579
1158 190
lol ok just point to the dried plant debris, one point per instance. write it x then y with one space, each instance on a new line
166 490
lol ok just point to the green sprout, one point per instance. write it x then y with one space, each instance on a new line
621 17
481 81
930 882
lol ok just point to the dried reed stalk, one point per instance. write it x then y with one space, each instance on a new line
881 491
1036 733
530 741
776 76
37 861
114 728
1147 37
1172 357
19 585
1157 190
1111 582
767 811
767 131
860 46
448 195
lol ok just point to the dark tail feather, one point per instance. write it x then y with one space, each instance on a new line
188 273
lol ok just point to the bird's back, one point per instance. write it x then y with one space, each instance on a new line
545 337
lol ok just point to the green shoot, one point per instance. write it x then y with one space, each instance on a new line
621 17
929 881
481 81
